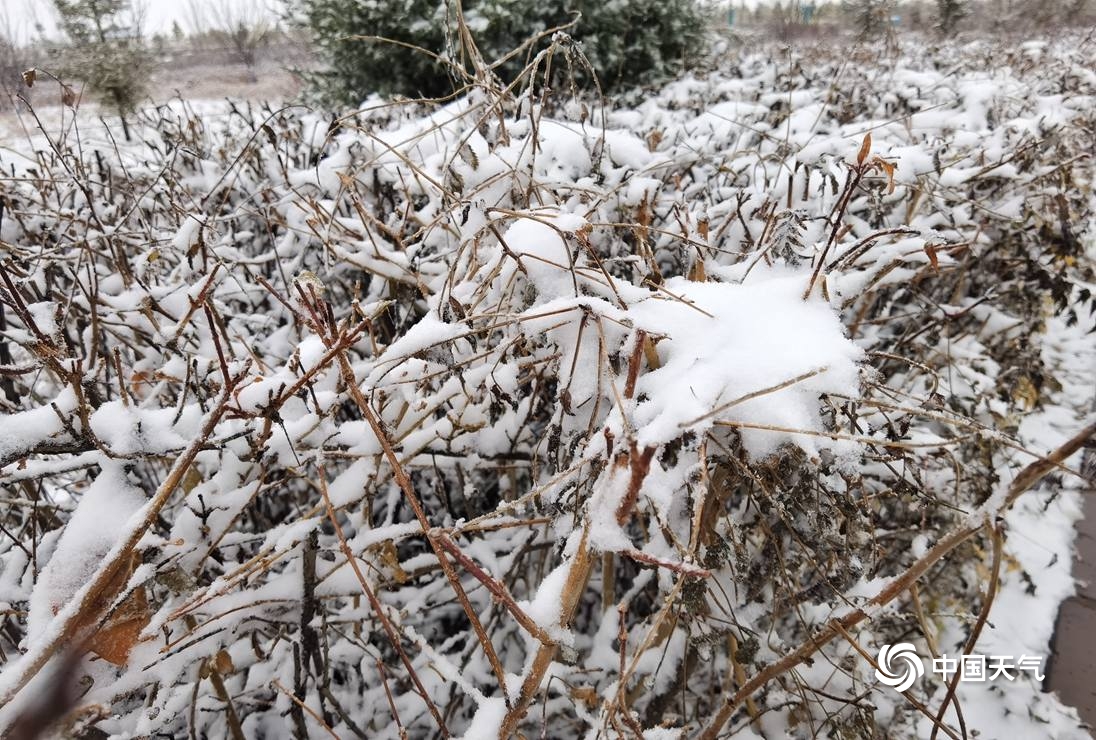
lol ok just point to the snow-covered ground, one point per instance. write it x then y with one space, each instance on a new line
579 420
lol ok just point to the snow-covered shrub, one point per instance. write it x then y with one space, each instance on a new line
473 419
417 48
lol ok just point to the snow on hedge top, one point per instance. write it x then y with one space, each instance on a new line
753 354
727 345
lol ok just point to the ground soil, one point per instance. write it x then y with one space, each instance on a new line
1072 669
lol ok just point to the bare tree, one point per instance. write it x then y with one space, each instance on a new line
243 28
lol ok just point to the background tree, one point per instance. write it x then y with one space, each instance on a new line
628 42
106 51
13 61
242 29
870 18
948 15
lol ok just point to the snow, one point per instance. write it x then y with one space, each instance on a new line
539 242
22 431
725 342
487 721
94 529
127 429
546 605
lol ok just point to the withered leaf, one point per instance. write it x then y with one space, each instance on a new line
222 663
865 147
930 250
114 640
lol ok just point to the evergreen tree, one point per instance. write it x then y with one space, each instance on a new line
106 51
870 18
628 42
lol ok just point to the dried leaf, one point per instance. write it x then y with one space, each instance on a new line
191 479
650 354
644 219
114 642
930 250
115 639
586 694
468 154
889 169
30 76
565 401
864 149
1025 394
391 560
68 96
654 139
222 663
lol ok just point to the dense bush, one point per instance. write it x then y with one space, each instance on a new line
628 42
490 421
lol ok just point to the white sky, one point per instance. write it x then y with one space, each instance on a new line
19 17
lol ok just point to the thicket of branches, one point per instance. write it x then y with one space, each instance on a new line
389 424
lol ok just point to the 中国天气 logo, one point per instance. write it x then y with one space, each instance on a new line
899 666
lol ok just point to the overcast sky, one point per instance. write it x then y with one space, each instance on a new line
19 17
